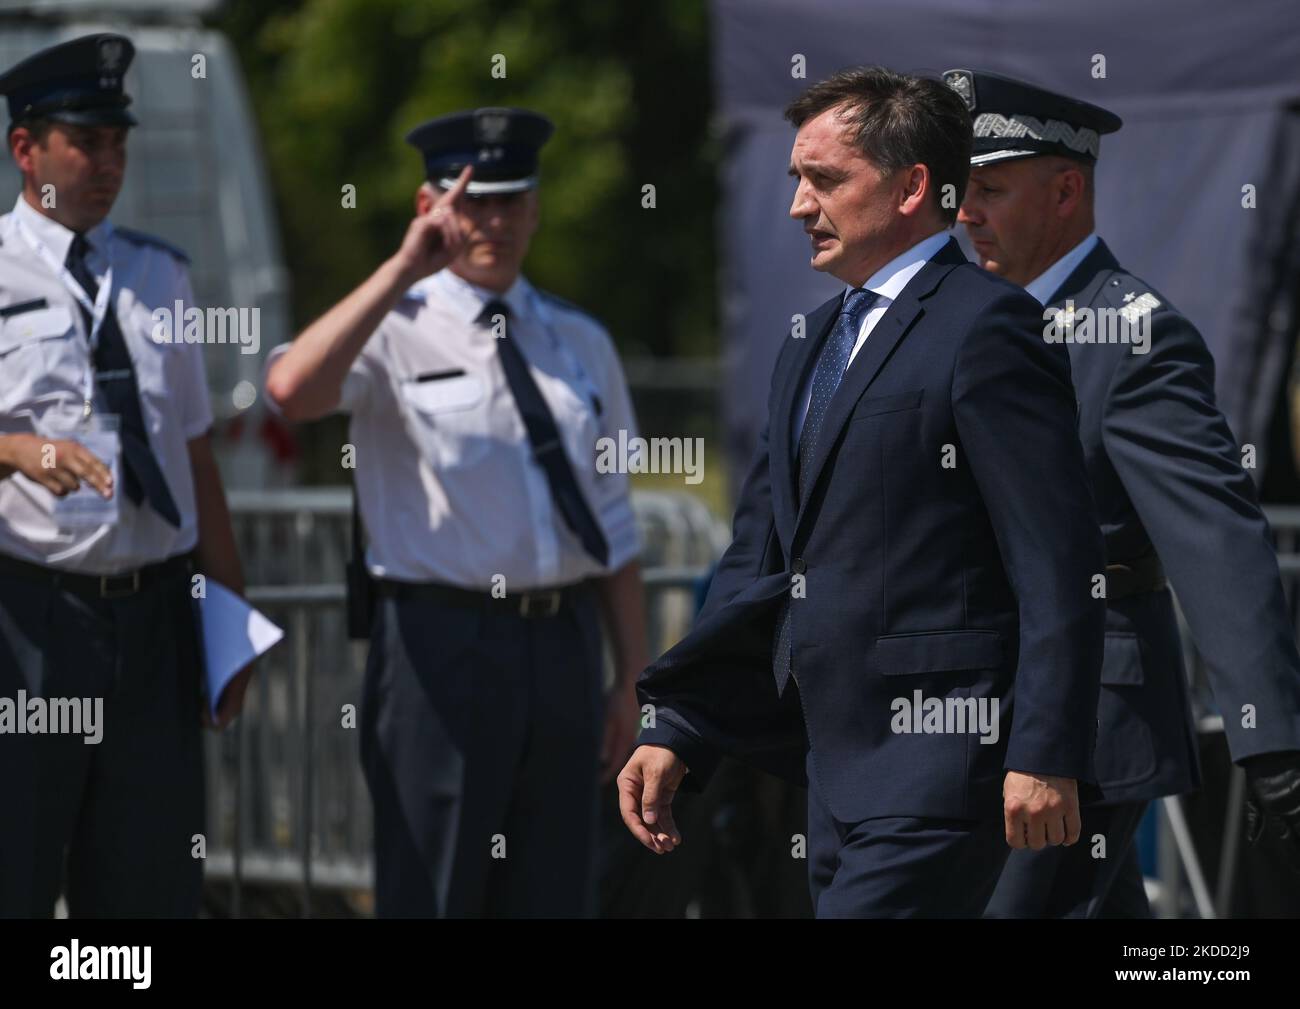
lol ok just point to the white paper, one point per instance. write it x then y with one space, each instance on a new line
234 634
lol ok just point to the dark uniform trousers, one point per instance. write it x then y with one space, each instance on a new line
900 866
115 821
1061 882
481 732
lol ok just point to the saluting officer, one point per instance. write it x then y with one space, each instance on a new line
476 404
1175 504
109 499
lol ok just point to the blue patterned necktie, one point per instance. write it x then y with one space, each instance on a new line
831 365
832 362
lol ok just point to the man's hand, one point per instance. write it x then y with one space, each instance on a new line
60 472
622 714
1039 810
1273 800
434 238
232 701
646 787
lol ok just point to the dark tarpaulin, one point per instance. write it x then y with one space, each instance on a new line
1210 97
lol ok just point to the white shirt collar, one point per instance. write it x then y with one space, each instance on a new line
1050 280
56 237
466 300
890 279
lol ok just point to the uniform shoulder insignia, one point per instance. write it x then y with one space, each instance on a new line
1130 295
142 238
568 306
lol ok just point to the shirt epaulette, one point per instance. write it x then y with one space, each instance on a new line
559 302
1130 294
141 238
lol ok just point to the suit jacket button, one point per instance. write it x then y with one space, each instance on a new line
798 566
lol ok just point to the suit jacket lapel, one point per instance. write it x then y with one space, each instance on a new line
781 431
862 371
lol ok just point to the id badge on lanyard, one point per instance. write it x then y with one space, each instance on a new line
86 508
98 309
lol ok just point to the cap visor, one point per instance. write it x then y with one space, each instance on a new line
93 117
476 187
992 157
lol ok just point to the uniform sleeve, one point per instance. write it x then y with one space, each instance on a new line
1181 466
1014 406
617 517
193 397
358 383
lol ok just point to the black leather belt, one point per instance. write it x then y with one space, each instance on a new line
533 603
100 586
1142 574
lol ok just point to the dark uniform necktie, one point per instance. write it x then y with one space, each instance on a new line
832 361
544 437
115 377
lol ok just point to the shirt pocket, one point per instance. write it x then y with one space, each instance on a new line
449 417
37 356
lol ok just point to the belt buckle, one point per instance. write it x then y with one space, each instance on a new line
552 607
107 592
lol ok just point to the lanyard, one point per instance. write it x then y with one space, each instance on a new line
98 310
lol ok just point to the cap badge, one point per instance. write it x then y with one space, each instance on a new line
960 81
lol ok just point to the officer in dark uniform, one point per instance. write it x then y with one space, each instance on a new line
1176 506
110 501
477 402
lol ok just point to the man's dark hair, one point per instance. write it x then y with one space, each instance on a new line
898 120
39 128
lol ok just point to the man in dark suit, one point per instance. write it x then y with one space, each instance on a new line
1171 494
906 619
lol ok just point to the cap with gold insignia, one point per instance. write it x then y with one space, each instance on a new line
77 82
501 143
1013 119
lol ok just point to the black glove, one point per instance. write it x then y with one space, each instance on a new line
1273 801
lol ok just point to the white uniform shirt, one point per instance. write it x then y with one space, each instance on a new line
448 486
45 358
888 283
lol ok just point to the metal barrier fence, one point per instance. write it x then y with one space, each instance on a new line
287 804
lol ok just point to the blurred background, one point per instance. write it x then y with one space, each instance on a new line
257 114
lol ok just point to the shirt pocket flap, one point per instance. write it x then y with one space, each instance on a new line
937 652
445 395
27 327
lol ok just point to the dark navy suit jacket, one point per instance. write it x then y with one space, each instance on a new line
1167 475
969 580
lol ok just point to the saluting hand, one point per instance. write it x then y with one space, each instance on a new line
435 237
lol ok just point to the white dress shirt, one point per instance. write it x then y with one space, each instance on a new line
1049 281
45 359
448 487
888 282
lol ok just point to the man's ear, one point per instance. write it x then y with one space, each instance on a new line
1070 186
916 189
425 198
21 142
